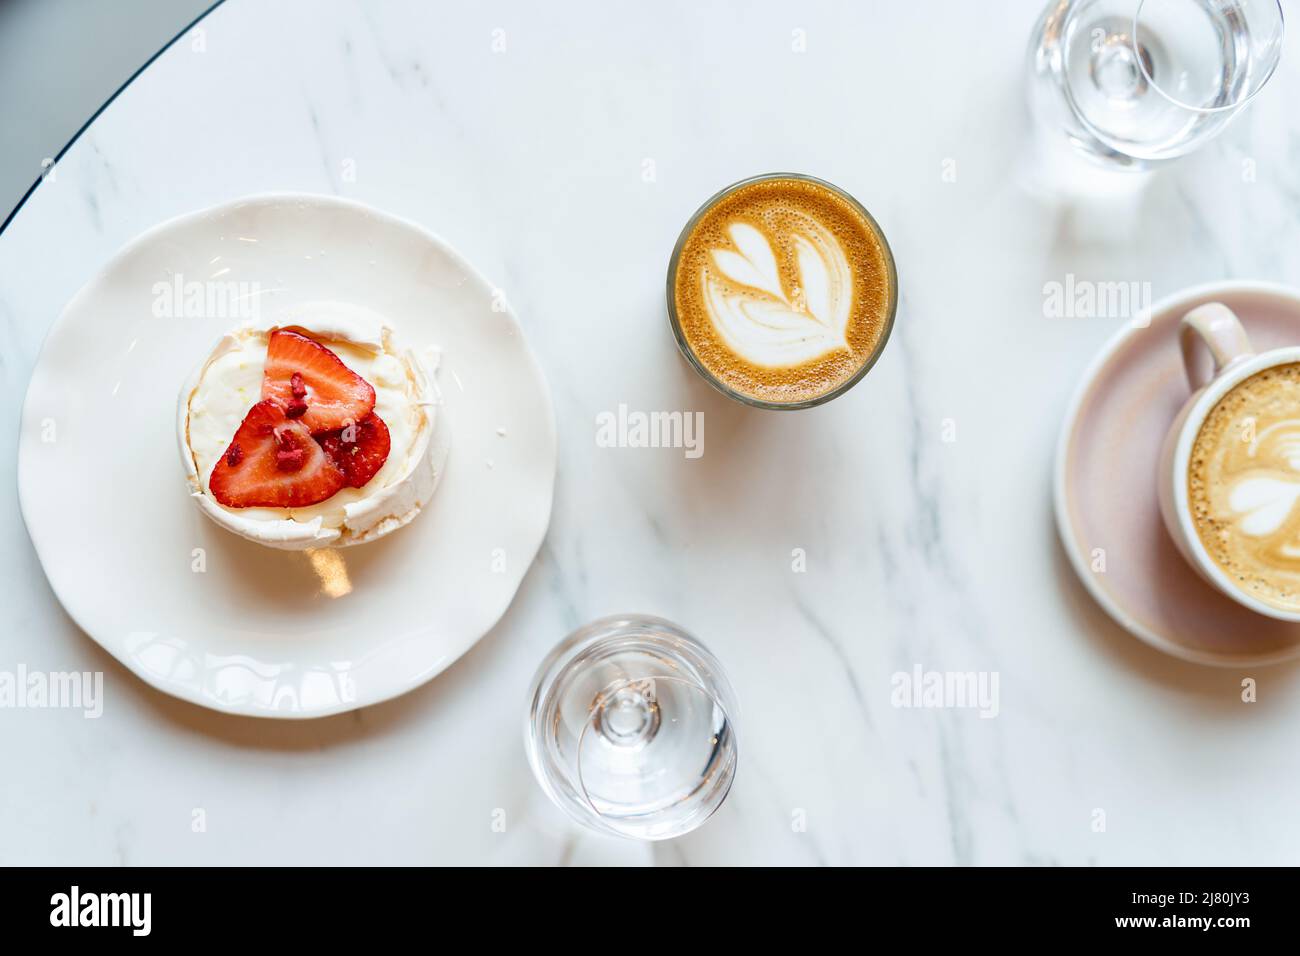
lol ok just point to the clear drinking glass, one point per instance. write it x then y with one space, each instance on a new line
630 728
1132 83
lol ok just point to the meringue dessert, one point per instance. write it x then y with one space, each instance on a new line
316 433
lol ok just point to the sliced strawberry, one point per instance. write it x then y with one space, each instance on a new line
273 462
312 384
359 450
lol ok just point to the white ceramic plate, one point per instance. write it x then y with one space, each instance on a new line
204 615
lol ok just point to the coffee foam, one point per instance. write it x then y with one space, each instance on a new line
782 290
1244 485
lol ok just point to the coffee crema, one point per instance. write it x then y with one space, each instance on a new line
783 289
1243 485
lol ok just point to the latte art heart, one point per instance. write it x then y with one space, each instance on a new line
1262 504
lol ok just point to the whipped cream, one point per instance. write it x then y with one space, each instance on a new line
228 383
755 315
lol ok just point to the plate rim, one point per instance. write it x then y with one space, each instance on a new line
1060 496
186 692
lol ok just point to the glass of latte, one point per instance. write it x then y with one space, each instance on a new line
782 291
1230 482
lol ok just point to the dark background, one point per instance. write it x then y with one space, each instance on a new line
59 61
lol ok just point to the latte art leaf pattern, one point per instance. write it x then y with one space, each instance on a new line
762 321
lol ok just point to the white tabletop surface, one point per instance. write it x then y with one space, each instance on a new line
561 148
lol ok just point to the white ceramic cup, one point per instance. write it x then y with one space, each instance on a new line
1209 331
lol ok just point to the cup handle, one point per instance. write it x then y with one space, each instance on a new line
1213 326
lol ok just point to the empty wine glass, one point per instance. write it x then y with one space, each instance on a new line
630 728
1132 83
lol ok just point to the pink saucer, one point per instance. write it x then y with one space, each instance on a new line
1106 485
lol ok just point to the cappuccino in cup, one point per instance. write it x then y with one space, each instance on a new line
1230 466
782 291
1244 485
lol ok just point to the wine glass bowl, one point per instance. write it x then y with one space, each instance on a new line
631 728
1135 83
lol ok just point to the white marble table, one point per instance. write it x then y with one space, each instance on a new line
561 147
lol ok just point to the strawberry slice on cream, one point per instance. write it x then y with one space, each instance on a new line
359 450
310 382
274 462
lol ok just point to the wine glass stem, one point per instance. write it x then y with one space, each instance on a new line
629 717
1115 69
